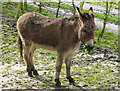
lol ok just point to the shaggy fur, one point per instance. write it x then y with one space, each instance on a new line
63 35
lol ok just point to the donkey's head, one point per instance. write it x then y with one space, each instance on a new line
86 34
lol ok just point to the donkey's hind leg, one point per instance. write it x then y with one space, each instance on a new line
32 49
27 59
28 53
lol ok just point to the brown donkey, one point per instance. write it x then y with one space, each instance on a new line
63 35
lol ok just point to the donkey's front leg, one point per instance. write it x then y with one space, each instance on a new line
68 65
58 69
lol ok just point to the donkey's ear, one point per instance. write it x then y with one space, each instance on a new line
80 13
91 10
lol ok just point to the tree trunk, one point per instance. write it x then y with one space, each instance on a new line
40 7
18 12
105 19
58 8
19 9
25 4
81 5
21 5
74 8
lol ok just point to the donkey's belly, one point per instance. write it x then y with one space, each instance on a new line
45 47
47 40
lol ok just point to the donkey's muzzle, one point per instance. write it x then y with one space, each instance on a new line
90 47
90 44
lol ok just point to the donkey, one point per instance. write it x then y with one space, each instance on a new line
63 35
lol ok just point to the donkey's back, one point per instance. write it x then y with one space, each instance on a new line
39 29
47 32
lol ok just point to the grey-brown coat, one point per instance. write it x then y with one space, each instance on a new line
63 35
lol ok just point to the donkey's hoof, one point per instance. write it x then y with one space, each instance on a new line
58 83
30 74
35 72
71 80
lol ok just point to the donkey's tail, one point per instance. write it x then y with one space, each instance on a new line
20 47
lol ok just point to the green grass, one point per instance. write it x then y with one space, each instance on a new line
110 17
13 8
109 40
114 5
99 15
62 5
94 76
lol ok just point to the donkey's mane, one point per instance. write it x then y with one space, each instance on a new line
73 17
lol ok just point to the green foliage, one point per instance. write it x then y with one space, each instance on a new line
85 49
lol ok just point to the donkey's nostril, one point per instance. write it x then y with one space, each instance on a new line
90 47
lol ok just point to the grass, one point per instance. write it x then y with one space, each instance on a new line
110 17
114 4
62 5
108 40
12 12
13 8
99 15
89 74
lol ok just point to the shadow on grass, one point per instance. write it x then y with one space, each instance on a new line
49 83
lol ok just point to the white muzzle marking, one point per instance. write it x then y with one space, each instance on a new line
90 43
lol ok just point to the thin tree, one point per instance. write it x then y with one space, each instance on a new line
81 5
20 9
58 8
105 19
18 12
40 6
25 4
21 5
74 8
